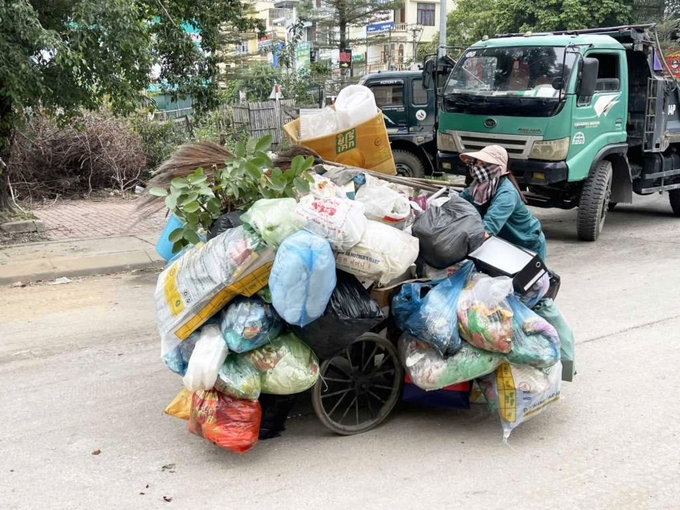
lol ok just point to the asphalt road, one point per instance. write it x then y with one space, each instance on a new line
80 371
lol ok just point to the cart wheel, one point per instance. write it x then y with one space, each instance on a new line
359 387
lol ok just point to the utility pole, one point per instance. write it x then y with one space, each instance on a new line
442 28
416 37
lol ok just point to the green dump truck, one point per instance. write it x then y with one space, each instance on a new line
588 117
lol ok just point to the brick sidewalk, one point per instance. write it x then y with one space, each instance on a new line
87 218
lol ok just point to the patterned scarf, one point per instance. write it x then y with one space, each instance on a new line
485 179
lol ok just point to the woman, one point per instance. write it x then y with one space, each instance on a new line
495 194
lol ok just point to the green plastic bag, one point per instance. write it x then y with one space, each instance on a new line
549 311
272 219
287 365
238 378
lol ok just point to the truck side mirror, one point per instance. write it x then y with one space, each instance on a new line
588 83
428 74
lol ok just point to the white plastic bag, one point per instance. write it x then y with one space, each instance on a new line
355 105
315 125
206 360
325 188
383 254
302 278
340 221
383 204
272 219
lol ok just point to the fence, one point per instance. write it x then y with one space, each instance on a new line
263 118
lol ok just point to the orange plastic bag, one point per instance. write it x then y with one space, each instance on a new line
180 407
227 422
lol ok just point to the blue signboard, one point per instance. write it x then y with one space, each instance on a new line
375 28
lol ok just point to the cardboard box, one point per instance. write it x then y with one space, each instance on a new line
365 146
497 257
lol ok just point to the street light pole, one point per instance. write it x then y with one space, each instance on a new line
442 28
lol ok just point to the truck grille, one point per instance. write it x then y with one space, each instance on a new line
518 146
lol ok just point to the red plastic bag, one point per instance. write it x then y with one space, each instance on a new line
227 422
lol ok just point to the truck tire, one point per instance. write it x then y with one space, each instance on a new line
594 203
674 199
408 164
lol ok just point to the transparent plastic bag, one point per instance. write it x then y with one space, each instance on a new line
536 292
315 125
206 360
549 311
177 360
484 315
227 422
534 341
519 393
432 318
430 371
287 365
302 278
248 323
272 219
339 220
238 378
383 204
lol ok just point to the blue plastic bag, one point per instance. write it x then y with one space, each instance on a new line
433 318
248 323
534 340
177 360
302 278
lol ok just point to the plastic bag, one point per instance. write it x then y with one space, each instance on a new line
534 340
339 220
287 365
383 254
180 407
302 278
484 315
206 360
433 321
438 274
325 188
238 378
383 204
319 124
275 410
248 323
177 360
448 233
519 393
536 292
355 105
227 422
350 313
272 219
549 311
207 277
225 222
430 371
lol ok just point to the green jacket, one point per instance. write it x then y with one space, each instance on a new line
507 217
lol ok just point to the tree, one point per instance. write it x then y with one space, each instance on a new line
470 21
66 55
336 17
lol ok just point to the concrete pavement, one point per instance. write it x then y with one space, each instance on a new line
81 372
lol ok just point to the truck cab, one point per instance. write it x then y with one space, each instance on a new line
588 117
409 111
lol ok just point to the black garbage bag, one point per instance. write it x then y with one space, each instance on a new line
224 223
350 313
275 411
448 233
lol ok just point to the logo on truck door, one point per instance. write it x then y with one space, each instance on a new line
604 104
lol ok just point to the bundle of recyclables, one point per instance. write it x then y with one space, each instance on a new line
247 318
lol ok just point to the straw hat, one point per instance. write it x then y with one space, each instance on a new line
493 155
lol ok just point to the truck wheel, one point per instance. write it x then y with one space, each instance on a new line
592 208
408 164
674 198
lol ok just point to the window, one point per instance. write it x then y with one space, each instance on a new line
426 14
607 72
241 48
418 93
388 95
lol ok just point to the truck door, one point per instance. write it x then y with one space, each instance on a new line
421 111
389 97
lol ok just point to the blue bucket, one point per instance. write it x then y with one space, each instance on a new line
164 246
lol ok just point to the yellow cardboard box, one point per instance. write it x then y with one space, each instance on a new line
364 146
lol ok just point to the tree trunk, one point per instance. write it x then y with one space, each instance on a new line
6 203
343 45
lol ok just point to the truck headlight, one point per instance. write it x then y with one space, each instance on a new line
446 142
550 150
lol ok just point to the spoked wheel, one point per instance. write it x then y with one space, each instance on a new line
359 387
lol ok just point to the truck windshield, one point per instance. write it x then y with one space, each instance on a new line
505 78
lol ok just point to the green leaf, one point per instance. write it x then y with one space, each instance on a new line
192 219
253 171
309 163
178 245
179 183
301 185
296 164
191 207
197 179
176 235
264 143
277 184
250 145
171 202
214 206
240 150
276 173
183 200
191 236
158 192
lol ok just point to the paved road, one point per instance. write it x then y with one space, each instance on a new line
80 369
